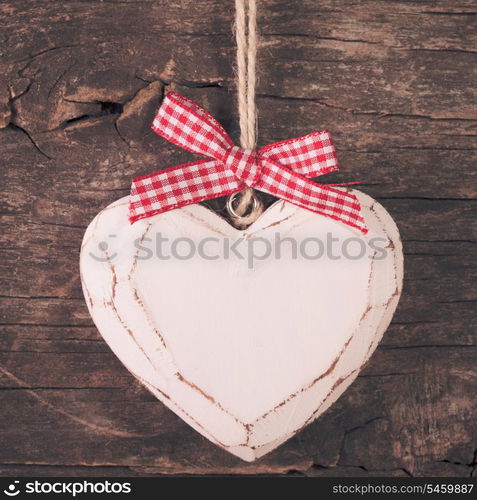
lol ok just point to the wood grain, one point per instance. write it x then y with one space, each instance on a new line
79 84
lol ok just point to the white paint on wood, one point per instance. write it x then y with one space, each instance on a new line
245 355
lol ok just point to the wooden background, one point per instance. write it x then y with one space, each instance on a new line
79 83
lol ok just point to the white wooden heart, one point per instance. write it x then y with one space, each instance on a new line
247 353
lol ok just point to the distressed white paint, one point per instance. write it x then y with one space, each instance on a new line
245 355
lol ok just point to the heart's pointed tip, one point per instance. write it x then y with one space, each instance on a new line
245 453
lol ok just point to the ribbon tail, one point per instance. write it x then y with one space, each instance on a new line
322 199
310 155
184 123
179 186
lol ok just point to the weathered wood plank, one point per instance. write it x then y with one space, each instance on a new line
382 408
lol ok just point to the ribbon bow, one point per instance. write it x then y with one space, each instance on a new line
280 169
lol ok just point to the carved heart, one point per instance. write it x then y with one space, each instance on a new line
246 351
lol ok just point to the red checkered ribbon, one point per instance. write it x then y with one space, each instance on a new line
280 169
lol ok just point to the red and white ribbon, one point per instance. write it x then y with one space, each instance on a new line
280 169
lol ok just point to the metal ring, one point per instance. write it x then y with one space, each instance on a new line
230 208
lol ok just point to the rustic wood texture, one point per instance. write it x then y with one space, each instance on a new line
79 83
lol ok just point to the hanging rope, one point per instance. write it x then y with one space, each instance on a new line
248 207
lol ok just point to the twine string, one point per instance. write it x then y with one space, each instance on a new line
246 39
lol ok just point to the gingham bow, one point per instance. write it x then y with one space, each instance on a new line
280 169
